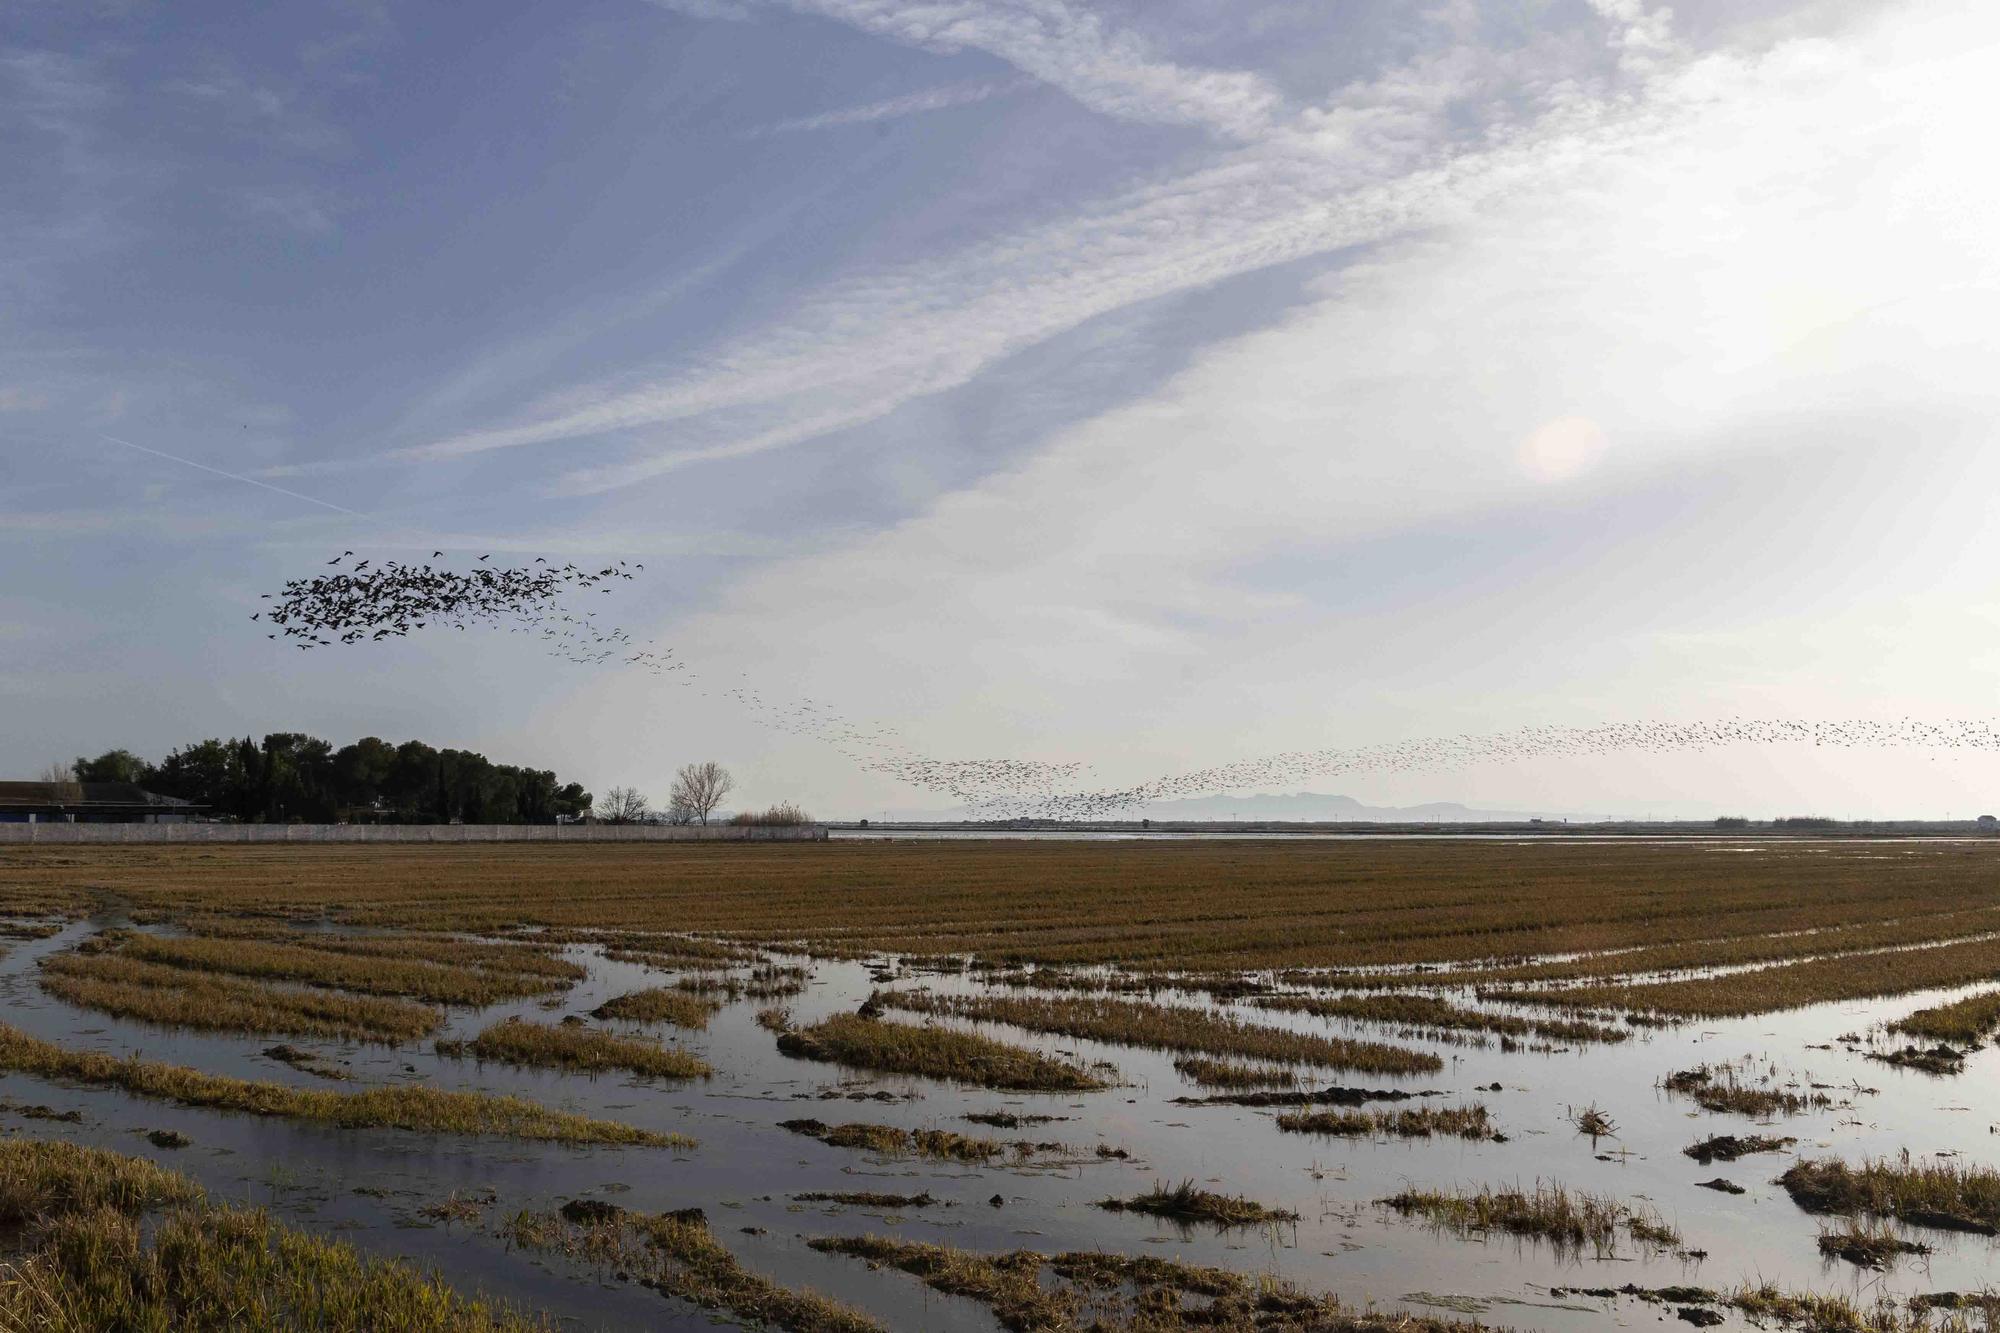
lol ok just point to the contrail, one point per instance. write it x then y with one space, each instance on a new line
252 481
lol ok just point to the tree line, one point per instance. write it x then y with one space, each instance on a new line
295 777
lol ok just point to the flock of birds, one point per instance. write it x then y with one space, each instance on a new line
1443 753
371 602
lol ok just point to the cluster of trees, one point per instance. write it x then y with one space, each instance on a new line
697 792
293 776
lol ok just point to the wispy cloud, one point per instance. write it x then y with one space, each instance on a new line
1064 45
301 209
895 108
232 476
1372 162
1069 47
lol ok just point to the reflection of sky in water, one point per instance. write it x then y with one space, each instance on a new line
745 1168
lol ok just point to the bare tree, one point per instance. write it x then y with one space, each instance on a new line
699 788
62 777
677 811
622 805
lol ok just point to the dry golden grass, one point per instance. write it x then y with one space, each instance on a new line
1168 1027
934 1052
177 997
401 1107
573 1046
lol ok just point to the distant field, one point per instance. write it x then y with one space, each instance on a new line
1205 907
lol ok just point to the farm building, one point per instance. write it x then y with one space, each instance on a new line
90 803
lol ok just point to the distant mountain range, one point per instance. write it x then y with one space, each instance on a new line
1313 807
1302 807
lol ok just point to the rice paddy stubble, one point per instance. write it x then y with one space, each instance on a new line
1146 905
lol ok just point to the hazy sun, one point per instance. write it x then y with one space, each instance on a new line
1560 449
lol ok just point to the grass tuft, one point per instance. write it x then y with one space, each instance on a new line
1208 1073
1720 1088
1457 1122
1568 1220
677 1256
1968 1021
1029 1292
1931 1194
570 1046
1868 1246
1186 1202
1729 1147
659 1004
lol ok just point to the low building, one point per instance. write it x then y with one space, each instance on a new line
91 803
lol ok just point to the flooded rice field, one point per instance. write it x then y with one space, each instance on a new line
1596 1118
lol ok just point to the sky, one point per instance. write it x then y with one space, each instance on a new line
1144 386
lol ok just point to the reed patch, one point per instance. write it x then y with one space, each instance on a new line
1567 1219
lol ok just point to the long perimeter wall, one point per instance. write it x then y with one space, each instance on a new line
214 833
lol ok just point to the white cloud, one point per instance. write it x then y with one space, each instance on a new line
1684 274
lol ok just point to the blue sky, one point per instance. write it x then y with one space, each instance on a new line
1140 385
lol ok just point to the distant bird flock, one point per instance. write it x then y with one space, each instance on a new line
373 602
370 602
